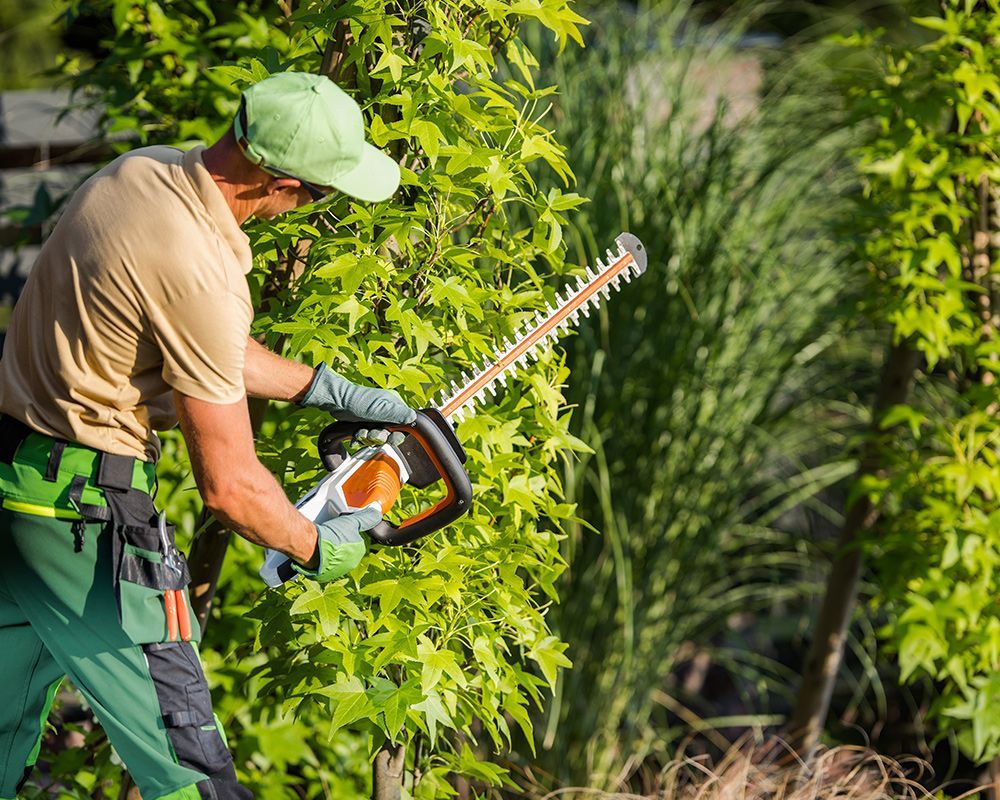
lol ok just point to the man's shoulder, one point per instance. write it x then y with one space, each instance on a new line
151 156
141 165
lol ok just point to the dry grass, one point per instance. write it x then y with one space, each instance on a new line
773 772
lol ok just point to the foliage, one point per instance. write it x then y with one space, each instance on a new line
929 176
28 42
701 387
416 643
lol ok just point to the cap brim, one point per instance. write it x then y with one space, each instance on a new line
375 178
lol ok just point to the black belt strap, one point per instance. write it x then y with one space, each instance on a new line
113 471
55 456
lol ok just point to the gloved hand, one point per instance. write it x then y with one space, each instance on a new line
341 544
353 403
378 437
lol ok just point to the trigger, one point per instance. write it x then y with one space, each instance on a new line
418 464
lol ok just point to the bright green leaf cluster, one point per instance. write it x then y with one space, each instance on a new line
930 172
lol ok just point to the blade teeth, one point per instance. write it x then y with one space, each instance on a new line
612 258
591 274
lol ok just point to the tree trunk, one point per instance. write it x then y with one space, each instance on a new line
387 772
994 778
826 650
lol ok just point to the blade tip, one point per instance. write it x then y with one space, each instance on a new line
630 243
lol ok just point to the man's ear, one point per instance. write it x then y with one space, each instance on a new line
277 184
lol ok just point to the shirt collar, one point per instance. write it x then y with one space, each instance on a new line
218 209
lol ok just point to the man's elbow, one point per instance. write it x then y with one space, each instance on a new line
225 498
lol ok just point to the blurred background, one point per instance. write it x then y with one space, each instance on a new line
720 411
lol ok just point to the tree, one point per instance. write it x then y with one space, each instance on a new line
925 500
418 643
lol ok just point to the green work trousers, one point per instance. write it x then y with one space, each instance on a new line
60 614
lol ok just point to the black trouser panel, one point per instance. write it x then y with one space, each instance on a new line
187 713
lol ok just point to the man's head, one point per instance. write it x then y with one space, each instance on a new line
305 138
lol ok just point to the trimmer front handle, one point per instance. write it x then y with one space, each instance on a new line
432 452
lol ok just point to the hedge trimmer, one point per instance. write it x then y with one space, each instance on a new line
430 451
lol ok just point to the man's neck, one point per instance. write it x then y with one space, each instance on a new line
234 175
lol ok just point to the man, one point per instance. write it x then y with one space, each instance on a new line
136 316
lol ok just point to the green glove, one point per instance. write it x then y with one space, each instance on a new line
353 403
341 544
378 437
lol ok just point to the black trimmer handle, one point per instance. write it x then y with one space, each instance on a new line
439 446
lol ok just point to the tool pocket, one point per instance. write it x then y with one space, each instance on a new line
151 575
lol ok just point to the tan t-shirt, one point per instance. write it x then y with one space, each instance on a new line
140 289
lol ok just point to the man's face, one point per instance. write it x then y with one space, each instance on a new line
283 194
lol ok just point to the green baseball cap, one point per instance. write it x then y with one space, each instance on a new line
306 127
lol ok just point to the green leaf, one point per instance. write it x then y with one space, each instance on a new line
349 701
548 653
391 61
326 602
434 714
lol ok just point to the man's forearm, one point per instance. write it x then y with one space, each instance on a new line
268 375
257 509
234 484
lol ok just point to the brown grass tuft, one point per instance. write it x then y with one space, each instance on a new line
773 772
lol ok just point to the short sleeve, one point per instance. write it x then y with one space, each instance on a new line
203 340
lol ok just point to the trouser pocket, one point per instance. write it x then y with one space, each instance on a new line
151 575
186 707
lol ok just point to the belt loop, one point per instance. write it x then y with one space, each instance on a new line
115 472
101 513
55 457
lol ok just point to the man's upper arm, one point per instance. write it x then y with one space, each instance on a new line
203 339
219 440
